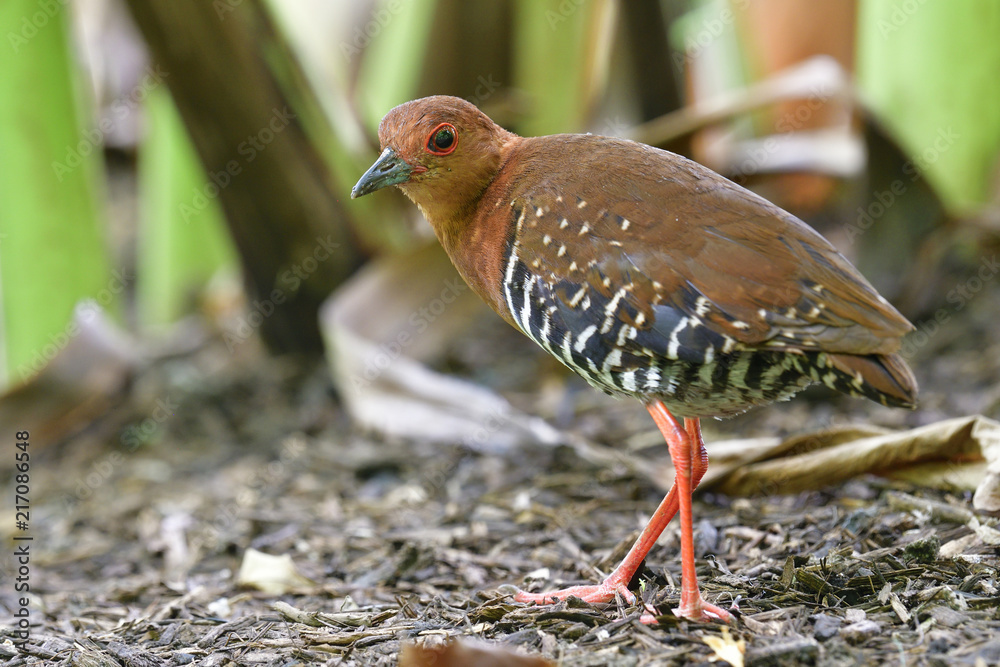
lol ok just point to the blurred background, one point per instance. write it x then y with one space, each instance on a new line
182 268
163 160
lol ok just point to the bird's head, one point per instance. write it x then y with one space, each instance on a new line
441 151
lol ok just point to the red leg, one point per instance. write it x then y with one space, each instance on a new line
687 460
617 581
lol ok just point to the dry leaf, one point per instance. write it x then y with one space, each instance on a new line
987 534
987 496
954 454
271 574
727 648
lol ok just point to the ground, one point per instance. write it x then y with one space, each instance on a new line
142 518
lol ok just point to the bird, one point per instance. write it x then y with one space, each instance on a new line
652 277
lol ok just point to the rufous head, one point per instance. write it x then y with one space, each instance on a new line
441 151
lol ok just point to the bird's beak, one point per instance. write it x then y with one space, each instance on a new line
389 169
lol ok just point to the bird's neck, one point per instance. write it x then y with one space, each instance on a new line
476 249
473 239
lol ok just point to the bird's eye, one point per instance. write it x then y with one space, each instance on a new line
442 140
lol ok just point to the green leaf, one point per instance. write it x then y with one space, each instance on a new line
930 72
550 57
51 250
183 240
318 86
398 36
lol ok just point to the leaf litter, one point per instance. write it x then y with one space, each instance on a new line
407 543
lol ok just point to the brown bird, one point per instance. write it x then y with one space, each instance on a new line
649 275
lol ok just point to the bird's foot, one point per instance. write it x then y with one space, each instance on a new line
593 594
696 609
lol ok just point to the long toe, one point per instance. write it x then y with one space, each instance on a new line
703 612
594 594
601 593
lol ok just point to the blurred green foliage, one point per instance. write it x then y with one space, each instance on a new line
931 73
52 250
182 237
928 70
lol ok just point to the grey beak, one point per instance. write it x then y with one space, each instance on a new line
389 169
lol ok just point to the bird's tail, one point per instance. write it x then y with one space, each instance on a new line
884 378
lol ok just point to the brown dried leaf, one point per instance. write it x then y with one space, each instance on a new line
962 453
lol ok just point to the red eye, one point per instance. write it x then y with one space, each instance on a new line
442 140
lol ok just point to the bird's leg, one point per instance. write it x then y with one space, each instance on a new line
687 451
617 581
663 514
